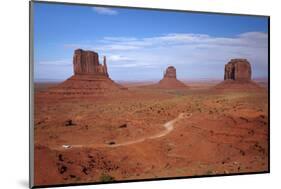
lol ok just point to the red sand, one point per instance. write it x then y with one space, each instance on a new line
227 133
231 85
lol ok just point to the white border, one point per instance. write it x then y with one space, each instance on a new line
14 120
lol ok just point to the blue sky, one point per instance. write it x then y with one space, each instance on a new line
140 44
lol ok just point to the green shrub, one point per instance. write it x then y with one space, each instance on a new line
106 178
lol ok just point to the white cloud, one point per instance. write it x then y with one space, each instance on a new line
251 39
120 39
254 35
62 62
130 65
118 47
104 11
118 58
194 55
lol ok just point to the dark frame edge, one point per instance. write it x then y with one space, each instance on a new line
268 93
31 99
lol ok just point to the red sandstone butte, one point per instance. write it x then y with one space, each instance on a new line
170 80
87 62
237 76
90 77
238 69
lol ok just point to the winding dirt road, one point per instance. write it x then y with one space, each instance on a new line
169 127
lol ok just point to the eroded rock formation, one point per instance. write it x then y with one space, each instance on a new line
238 69
170 80
90 77
170 72
237 76
87 62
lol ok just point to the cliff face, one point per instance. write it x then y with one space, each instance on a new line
170 72
170 80
237 76
238 69
90 77
87 62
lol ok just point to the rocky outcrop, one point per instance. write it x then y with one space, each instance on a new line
238 69
90 77
170 72
170 80
87 62
237 76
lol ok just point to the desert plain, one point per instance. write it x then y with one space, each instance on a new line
145 132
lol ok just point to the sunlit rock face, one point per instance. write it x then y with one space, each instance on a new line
238 76
87 62
170 80
90 78
171 72
238 69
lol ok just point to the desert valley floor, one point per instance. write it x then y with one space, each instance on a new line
146 133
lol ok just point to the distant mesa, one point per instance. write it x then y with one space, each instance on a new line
87 62
170 80
238 70
90 77
170 72
237 76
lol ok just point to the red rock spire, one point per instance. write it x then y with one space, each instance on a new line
104 65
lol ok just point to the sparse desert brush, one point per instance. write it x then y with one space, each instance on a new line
106 178
209 172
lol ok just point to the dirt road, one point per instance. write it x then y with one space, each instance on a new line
169 127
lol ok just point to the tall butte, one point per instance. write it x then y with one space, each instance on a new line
170 80
237 76
90 77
